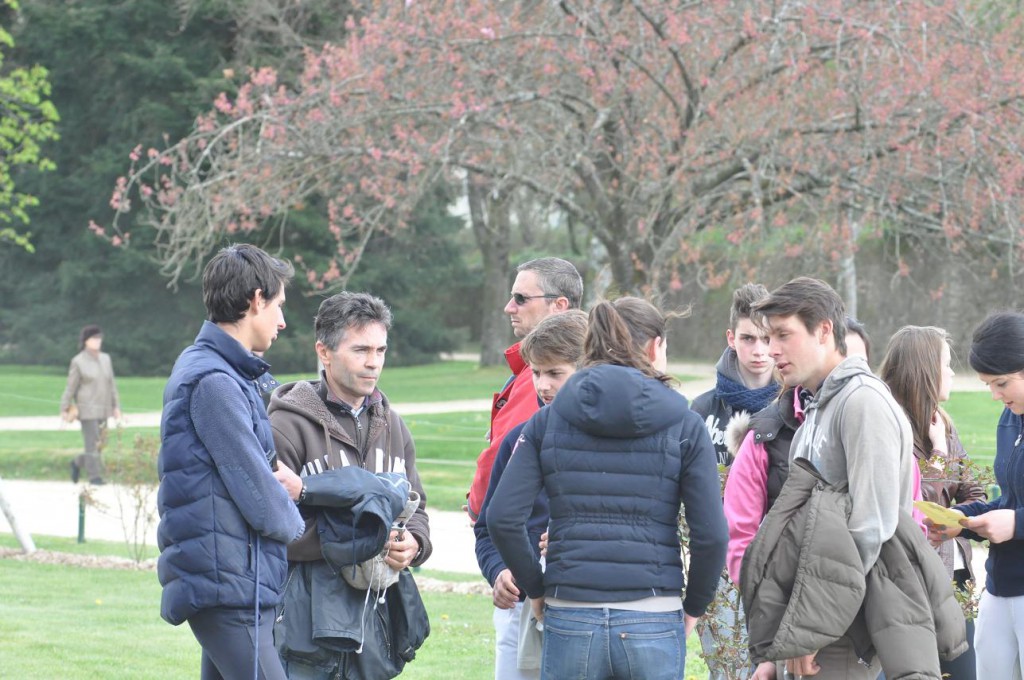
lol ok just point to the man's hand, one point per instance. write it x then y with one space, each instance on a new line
689 623
505 594
401 550
543 544
997 526
764 671
805 665
291 482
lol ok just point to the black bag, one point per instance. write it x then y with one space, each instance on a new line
398 628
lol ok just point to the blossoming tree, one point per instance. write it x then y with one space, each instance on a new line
649 122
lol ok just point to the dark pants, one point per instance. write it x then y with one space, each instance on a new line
227 638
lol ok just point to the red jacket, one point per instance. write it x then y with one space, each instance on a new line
512 406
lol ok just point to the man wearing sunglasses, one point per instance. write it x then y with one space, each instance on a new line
545 286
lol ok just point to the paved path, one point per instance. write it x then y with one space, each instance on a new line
51 509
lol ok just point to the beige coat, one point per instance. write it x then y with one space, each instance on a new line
91 386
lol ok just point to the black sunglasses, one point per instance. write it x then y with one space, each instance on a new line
521 299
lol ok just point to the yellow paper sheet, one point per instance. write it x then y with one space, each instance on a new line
939 515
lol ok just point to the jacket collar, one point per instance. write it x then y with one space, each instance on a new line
323 390
515 359
248 365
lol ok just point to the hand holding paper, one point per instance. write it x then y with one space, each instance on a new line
940 516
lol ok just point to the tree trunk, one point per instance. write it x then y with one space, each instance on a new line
848 266
24 538
489 216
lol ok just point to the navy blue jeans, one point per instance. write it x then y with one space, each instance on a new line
612 644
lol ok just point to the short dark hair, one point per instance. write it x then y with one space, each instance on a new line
812 300
556 276
232 277
345 310
857 328
88 331
998 344
743 299
556 339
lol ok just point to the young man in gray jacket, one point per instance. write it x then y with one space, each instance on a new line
853 432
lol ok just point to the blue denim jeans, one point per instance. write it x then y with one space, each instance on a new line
612 644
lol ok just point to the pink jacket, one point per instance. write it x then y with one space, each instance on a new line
746 495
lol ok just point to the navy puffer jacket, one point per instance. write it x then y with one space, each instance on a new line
217 492
616 452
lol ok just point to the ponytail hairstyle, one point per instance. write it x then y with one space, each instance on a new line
618 333
912 370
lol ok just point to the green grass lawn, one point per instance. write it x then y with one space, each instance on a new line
36 390
975 415
447 445
72 622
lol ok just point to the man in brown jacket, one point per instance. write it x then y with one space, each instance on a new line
343 419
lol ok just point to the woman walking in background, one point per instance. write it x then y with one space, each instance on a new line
617 452
917 370
90 397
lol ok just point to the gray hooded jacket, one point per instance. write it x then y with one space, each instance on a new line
855 433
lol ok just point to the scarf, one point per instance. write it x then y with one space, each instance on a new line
739 397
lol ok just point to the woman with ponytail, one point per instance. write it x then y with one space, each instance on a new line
617 452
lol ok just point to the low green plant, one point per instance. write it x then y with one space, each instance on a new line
134 474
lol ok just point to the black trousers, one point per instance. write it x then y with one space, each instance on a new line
228 636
